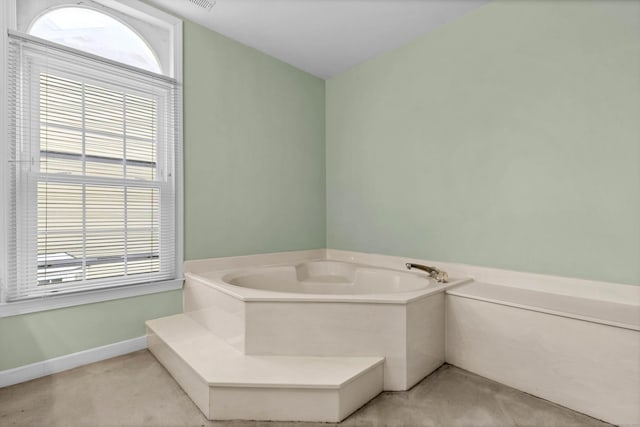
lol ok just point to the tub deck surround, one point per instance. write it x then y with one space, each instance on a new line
244 261
354 329
225 384
363 284
327 308
605 312
580 353
568 286
575 342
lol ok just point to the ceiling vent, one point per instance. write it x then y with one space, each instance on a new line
205 4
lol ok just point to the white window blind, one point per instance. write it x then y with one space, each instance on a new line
93 151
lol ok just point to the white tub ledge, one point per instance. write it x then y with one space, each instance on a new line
578 352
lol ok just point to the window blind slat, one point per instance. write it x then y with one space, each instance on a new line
91 162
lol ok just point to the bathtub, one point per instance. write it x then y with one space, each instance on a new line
326 308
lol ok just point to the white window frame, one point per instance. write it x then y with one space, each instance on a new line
153 16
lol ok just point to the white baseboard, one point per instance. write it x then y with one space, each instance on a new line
69 361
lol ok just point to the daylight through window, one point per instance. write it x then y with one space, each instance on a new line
92 158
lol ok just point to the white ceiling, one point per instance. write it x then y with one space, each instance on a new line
323 37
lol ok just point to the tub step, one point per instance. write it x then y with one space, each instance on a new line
226 384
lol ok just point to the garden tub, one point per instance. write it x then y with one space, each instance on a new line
326 308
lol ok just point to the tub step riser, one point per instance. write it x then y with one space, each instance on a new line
221 314
253 401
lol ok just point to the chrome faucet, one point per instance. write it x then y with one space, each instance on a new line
439 275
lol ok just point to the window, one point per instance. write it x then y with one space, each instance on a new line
94 32
93 159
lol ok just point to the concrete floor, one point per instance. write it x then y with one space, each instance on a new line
135 390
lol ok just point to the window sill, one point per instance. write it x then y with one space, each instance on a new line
86 297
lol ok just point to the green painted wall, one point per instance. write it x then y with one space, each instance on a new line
254 151
508 138
47 334
254 182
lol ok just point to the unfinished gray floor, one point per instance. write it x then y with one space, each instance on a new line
135 390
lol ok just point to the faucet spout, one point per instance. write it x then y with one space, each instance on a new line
439 275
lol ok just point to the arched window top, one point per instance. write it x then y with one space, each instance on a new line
97 33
